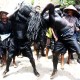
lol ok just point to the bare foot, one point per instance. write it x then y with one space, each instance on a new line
15 65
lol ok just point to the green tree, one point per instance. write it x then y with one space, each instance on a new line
77 1
70 2
32 2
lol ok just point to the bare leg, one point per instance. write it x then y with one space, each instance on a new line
69 57
62 61
3 60
14 63
47 50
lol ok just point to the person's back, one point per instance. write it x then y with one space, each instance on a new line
60 23
55 19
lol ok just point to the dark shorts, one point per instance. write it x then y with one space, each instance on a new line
59 47
3 46
67 43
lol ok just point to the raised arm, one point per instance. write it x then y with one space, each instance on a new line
54 35
49 7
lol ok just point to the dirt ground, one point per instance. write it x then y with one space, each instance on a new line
24 70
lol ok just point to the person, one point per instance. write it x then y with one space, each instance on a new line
78 23
21 40
71 13
66 38
5 30
51 37
40 43
38 8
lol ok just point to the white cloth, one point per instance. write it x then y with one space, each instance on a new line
4 36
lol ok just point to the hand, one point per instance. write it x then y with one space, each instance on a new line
56 39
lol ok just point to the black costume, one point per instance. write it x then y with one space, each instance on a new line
5 28
65 34
19 40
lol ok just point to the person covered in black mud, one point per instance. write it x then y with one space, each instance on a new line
19 41
66 38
